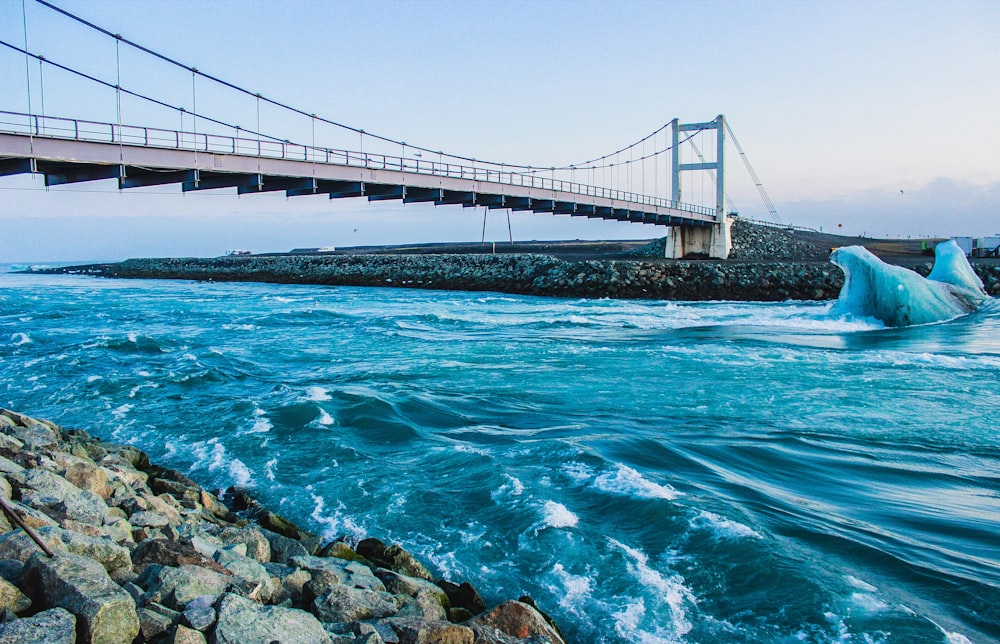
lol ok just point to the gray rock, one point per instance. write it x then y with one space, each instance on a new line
147 519
425 604
347 573
253 537
11 569
18 545
400 584
54 626
248 569
242 621
283 548
106 613
200 613
393 558
12 599
156 619
59 498
345 604
34 436
178 586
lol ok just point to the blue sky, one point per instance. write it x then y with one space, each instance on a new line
880 117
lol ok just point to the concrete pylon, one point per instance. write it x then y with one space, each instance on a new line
714 241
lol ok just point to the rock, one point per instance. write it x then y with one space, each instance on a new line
148 520
60 499
400 584
283 548
423 631
18 545
345 604
249 570
516 619
185 635
104 611
200 613
426 604
171 553
12 599
242 621
257 544
156 619
11 569
340 550
87 476
54 626
34 435
392 557
178 586
280 525
463 596
338 572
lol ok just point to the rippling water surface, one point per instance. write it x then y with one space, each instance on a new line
647 471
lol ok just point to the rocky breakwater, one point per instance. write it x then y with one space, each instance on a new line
141 553
521 274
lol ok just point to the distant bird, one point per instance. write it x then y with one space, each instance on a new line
900 192
355 230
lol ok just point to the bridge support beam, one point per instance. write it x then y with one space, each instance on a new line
713 241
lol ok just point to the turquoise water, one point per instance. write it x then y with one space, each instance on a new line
647 471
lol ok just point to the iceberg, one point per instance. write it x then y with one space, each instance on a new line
900 297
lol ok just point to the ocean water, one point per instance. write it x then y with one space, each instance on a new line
647 471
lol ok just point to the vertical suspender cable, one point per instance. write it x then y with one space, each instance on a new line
194 119
258 134
41 88
118 105
27 79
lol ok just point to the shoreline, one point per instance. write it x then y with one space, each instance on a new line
521 274
143 553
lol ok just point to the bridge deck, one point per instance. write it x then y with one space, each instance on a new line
70 151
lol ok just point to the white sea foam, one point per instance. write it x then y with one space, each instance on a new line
511 486
133 338
317 394
18 339
269 469
861 585
261 423
957 638
324 419
558 516
121 411
93 378
722 527
868 603
239 472
575 592
625 480
579 472
671 590
239 327
336 524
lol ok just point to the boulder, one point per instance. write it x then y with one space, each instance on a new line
515 619
257 544
104 611
88 476
200 613
171 553
54 626
328 571
283 548
156 619
177 586
392 557
410 630
242 621
60 499
341 550
12 599
33 434
249 570
185 635
463 596
345 604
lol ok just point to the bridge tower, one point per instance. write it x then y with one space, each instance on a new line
714 240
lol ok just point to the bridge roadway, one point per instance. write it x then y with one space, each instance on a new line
69 151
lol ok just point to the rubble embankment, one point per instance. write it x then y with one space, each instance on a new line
141 553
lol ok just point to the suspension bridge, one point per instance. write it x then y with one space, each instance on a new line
208 152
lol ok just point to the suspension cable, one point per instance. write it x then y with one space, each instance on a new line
295 110
753 175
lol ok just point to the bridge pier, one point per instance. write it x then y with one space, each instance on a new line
712 240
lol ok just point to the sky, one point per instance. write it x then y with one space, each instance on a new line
877 118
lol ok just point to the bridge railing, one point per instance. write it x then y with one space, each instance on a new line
136 135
